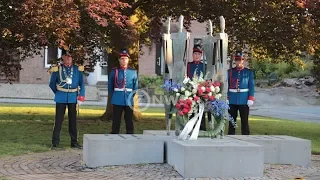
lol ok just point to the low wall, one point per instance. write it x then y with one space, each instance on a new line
39 91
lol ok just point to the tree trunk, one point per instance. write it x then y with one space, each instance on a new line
118 41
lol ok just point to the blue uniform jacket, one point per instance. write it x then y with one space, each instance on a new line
122 86
193 67
240 86
57 82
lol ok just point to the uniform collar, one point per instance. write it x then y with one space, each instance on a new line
67 65
240 69
123 68
196 62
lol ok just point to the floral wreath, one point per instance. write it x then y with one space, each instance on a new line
192 97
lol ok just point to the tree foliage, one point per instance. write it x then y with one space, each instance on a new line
28 25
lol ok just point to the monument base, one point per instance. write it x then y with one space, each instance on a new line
159 132
213 158
121 149
281 149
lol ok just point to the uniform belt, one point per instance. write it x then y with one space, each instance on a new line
66 90
238 90
123 89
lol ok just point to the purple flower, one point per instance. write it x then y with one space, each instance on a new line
169 85
218 109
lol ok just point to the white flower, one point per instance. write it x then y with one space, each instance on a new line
218 96
186 80
194 91
193 103
175 89
190 98
217 89
178 94
187 93
195 86
203 89
210 94
182 89
212 89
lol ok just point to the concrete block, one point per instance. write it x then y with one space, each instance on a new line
121 149
281 149
217 158
159 132
162 134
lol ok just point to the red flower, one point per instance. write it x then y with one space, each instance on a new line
208 90
188 101
180 101
200 92
217 84
178 106
206 96
180 113
196 98
185 110
211 98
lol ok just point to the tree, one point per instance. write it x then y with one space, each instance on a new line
312 15
28 25
17 38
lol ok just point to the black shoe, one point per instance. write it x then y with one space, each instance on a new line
57 147
76 145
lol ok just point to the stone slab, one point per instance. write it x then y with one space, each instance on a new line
121 149
162 134
281 149
217 158
159 132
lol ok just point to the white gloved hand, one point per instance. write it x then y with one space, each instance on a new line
80 102
250 103
227 101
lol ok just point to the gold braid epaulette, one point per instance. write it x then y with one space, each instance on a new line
80 67
53 69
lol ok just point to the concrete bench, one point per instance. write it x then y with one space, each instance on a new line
121 149
216 158
281 149
162 134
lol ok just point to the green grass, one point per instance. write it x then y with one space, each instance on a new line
27 129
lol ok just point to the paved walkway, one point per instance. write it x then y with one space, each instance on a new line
301 113
68 164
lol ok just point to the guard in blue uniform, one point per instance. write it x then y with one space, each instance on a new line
122 85
196 67
67 83
240 93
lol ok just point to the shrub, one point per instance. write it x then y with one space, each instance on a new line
296 69
154 81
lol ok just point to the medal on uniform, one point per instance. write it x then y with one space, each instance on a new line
69 80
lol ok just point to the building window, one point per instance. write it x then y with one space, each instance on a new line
51 53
